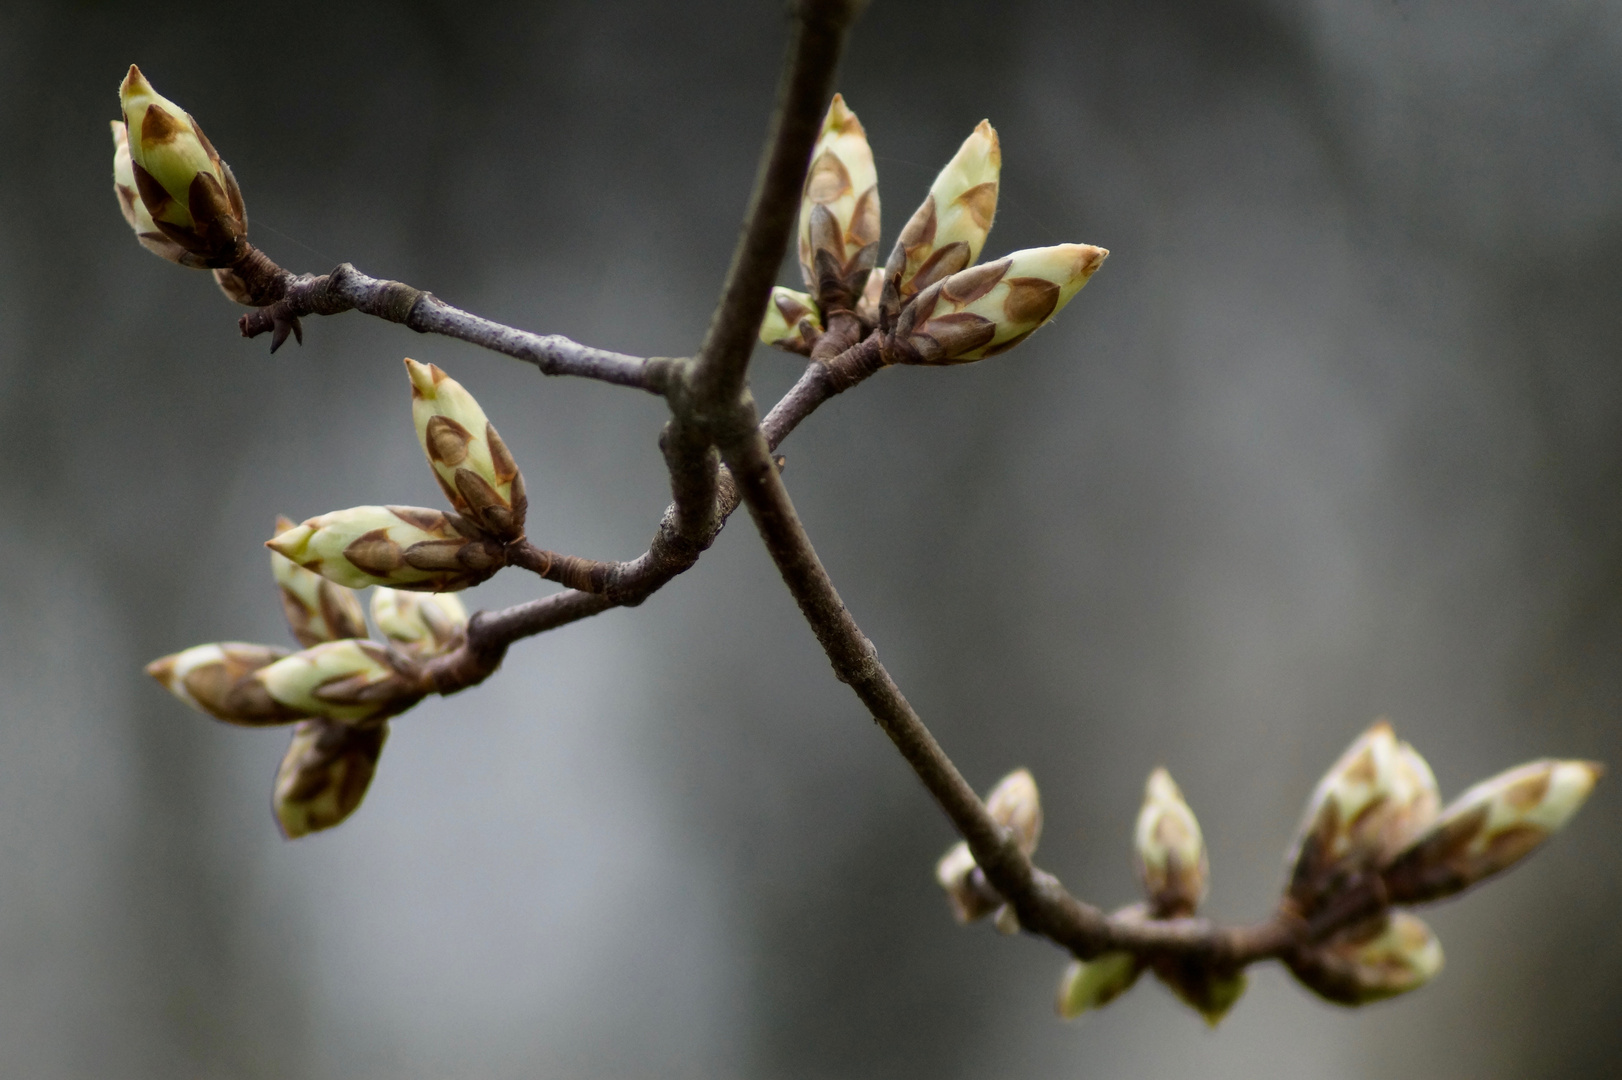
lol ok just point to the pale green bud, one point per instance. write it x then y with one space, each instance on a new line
946 233
1371 803
324 774
1092 984
351 681
1172 862
219 680
986 310
1382 958
792 321
967 890
404 547
188 191
129 201
317 610
1489 828
1014 803
839 208
423 624
472 464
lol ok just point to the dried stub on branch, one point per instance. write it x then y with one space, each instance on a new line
1014 804
188 194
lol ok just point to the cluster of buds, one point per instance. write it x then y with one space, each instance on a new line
412 547
930 302
1374 840
341 688
1174 870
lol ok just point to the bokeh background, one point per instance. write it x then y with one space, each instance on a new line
1336 433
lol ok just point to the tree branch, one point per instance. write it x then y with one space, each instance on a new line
347 289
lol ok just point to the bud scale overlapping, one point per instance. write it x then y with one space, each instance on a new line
472 464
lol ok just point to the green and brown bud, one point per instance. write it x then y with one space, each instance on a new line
317 610
1208 991
1381 958
1092 984
986 310
946 233
1015 805
403 547
971 897
472 464
1172 863
189 193
422 624
129 201
1368 806
324 775
352 681
839 210
1489 828
792 321
221 680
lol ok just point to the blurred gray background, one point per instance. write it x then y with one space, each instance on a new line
1335 434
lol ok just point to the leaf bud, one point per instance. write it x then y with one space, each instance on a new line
403 547
1376 798
324 774
1489 828
190 194
946 233
988 309
422 624
967 891
1209 991
792 321
1172 863
351 681
472 464
317 610
1092 984
129 201
1380 958
219 680
839 209
1014 804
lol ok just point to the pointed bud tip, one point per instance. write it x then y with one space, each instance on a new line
162 669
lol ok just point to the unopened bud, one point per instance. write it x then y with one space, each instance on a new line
1381 958
1208 991
867 305
188 191
946 233
350 680
1092 984
986 310
792 321
472 464
317 610
403 547
219 680
423 624
129 201
324 775
1367 807
1489 828
1171 851
967 890
1014 804
839 209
